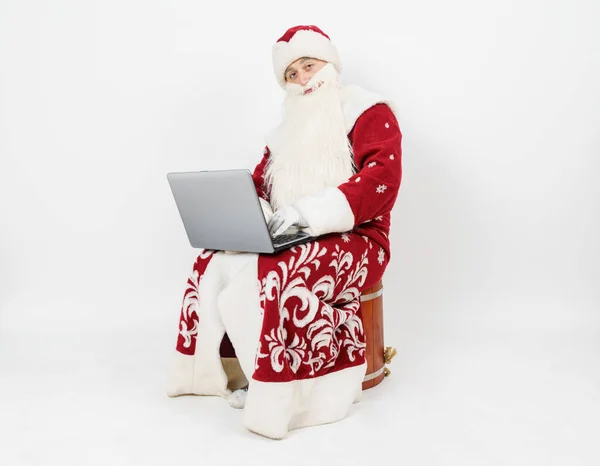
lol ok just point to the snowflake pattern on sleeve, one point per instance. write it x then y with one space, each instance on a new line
373 190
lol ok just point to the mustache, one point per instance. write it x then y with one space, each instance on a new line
326 75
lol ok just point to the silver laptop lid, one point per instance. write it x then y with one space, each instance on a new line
220 210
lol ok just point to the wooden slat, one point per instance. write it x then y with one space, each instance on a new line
367 318
378 340
372 316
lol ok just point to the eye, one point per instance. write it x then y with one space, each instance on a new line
309 66
292 76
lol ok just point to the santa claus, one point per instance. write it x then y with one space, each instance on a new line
332 168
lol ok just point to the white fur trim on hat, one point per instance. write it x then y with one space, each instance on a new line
304 43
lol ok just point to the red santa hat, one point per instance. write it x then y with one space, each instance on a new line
303 41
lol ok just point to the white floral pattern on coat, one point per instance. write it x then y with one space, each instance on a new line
188 322
316 318
190 310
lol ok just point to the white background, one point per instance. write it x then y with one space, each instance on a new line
493 292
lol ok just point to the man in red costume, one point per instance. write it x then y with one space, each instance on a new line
332 167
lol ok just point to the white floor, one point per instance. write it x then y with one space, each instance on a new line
496 399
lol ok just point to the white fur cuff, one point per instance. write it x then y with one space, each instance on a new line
326 212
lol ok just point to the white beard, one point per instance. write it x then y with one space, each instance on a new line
310 150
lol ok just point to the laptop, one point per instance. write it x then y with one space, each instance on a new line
220 210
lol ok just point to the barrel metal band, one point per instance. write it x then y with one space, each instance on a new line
374 375
370 296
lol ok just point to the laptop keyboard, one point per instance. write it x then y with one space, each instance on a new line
282 239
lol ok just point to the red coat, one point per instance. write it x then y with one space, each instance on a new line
372 191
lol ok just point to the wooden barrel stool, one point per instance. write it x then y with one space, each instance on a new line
377 355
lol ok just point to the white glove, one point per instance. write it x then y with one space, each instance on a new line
283 219
266 208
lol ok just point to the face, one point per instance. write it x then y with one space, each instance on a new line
302 70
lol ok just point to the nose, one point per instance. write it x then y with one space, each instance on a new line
304 77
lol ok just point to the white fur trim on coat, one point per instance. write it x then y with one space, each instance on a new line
202 373
304 43
273 409
326 212
356 101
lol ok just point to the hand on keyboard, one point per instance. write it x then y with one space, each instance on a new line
283 219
